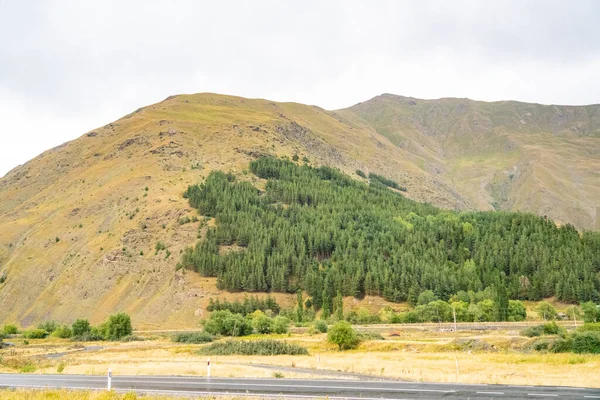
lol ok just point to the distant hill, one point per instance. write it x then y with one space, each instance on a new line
98 224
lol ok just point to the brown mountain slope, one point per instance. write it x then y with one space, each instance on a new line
504 155
79 224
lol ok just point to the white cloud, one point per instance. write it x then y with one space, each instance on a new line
67 66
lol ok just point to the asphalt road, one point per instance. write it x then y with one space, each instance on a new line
334 389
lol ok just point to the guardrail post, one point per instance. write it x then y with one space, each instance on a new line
109 383
208 367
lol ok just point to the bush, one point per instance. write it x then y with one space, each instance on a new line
591 312
365 336
552 328
586 342
549 328
118 326
92 336
533 331
193 337
516 311
10 329
63 332
320 326
546 311
48 326
343 335
592 327
361 174
262 323
254 347
281 324
227 324
81 327
35 334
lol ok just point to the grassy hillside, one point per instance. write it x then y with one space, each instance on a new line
502 155
80 224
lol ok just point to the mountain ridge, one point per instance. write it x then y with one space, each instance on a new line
81 221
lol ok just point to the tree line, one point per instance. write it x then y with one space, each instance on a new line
318 230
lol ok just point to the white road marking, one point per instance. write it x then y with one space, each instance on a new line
592 397
489 392
542 394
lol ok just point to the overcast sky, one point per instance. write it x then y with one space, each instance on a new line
67 67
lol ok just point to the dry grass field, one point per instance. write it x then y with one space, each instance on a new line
493 357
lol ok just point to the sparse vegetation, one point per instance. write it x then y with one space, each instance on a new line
10 329
193 337
254 347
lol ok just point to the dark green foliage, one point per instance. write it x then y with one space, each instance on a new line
516 311
546 311
281 325
586 342
591 312
262 324
361 174
193 337
254 347
382 180
320 326
3 278
317 230
549 328
295 158
81 327
248 306
35 334
226 323
589 327
362 317
343 335
118 326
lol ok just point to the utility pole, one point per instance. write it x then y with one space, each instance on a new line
454 315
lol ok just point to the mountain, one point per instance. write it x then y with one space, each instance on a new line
84 225
502 155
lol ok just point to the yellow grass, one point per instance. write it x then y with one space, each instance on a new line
413 355
75 395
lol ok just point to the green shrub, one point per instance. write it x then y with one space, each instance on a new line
81 327
254 347
591 312
361 174
92 336
10 329
320 326
586 342
193 337
546 311
226 323
365 336
48 326
552 328
516 311
35 334
118 326
281 325
343 336
549 328
63 332
591 327
562 345
262 323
